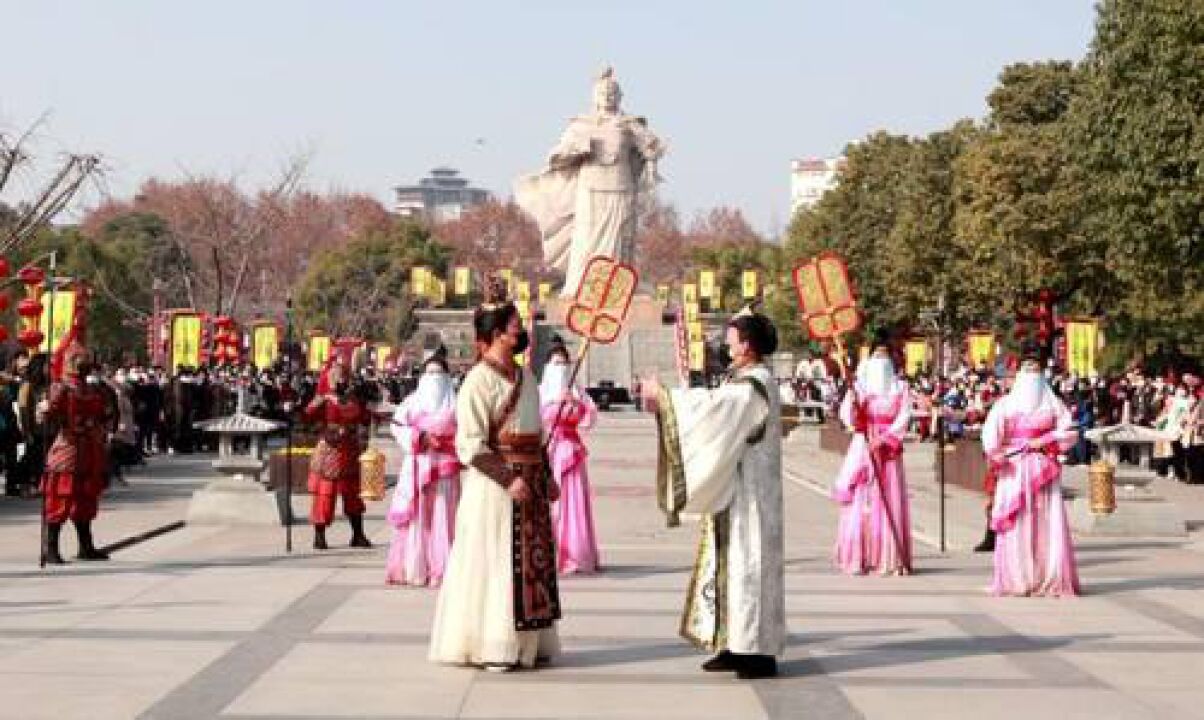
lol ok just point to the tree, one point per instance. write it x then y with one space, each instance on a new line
660 244
495 235
1137 139
1018 225
363 288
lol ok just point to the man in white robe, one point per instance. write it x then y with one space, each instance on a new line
720 458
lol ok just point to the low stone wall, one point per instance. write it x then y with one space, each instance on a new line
965 465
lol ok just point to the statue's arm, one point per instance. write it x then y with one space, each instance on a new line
572 149
650 147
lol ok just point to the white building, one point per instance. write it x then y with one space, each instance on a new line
443 195
810 179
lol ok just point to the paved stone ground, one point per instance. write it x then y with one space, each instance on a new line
211 622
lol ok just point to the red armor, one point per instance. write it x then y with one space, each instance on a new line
77 461
334 468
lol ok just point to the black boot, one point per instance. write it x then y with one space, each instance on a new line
87 549
320 538
725 661
755 667
51 551
988 542
358 538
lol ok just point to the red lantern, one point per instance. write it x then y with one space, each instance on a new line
30 338
29 308
3 333
31 275
3 302
4 267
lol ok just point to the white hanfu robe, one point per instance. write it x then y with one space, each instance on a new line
474 618
721 458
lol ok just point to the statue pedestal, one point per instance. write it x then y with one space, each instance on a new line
1140 512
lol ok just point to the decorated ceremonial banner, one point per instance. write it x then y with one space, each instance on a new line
915 356
185 329
603 299
462 280
980 346
706 285
545 292
418 281
317 352
825 296
681 343
524 291
64 315
696 333
438 292
689 293
1082 342
748 284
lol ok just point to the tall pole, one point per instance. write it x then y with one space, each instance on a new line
940 418
45 449
288 429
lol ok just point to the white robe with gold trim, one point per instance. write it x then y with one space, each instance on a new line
709 467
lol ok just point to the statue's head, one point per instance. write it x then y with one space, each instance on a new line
607 93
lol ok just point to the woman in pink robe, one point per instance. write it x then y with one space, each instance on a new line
423 510
573 515
878 408
1023 436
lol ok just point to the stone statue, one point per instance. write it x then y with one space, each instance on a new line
586 200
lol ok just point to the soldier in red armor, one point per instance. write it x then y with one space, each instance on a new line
76 463
334 468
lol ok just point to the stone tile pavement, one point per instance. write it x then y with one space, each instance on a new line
220 623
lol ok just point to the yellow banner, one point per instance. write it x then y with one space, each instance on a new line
64 314
981 348
438 291
1082 341
545 292
507 276
689 293
319 350
265 345
691 312
382 352
706 284
524 309
748 284
662 293
695 332
185 341
915 353
462 280
524 291
698 354
418 281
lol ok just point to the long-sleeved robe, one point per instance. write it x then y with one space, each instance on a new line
423 510
573 515
475 618
721 458
1034 552
865 535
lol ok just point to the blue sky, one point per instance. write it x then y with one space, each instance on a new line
381 92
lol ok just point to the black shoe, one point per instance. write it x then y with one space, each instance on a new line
725 661
87 549
51 551
358 538
988 542
756 667
320 538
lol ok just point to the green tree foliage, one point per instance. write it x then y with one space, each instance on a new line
1137 136
363 288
